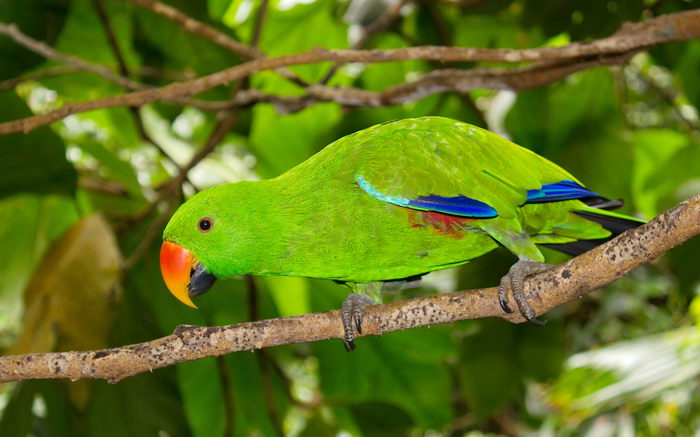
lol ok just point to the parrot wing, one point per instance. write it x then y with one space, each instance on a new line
437 164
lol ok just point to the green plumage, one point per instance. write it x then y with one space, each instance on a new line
316 220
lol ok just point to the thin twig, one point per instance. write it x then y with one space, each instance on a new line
219 38
229 401
268 393
560 284
461 81
48 52
124 71
151 232
631 38
111 38
58 70
226 118
445 34
258 25
382 22
196 27
670 96
74 64
176 181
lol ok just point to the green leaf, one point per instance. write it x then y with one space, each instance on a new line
664 159
283 141
248 392
83 24
202 392
165 45
377 77
291 295
31 224
114 168
142 405
381 419
582 19
404 368
83 268
39 19
536 120
62 418
34 162
687 72
317 426
482 30
17 416
497 359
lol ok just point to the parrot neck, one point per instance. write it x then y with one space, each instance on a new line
274 215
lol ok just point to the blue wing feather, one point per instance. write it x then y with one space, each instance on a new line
457 205
467 207
563 190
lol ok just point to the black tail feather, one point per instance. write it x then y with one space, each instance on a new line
603 203
576 248
616 225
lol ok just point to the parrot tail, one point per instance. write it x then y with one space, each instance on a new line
598 211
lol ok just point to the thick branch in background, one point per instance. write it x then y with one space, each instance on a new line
48 52
568 281
439 81
74 64
629 39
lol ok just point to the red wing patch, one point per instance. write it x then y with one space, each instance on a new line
445 224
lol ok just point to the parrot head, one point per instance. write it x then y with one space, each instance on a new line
200 242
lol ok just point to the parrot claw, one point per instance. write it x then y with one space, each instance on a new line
351 312
503 299
515 279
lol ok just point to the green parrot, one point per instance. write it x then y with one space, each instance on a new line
391 202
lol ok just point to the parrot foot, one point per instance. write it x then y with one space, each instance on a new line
351 312
514 280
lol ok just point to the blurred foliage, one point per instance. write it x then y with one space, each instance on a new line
620 361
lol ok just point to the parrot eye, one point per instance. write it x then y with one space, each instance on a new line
205 224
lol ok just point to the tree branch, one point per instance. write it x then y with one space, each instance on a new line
568 281
75 64
630 38
195 27
382 22
438 81
48 52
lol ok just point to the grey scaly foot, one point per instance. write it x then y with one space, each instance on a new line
351 312
515 279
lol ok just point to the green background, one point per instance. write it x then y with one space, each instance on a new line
623 359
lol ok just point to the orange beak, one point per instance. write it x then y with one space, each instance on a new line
176 264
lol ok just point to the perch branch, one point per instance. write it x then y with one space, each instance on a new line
629 39
562 283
